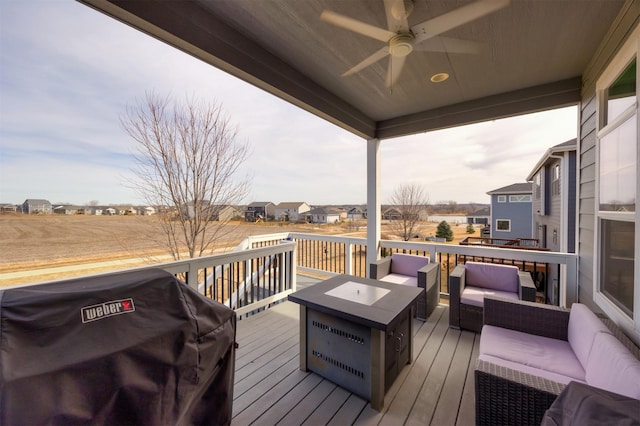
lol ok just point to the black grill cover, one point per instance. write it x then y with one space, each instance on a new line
133 348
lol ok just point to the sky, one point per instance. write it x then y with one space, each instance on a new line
68 73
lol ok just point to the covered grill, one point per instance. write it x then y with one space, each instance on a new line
133 348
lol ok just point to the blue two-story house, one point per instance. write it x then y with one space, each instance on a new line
511 211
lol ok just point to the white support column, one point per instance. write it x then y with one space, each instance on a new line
373 201
348 256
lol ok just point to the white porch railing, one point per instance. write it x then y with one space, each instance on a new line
245 280
262 270
347 255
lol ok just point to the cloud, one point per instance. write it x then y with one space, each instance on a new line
68 73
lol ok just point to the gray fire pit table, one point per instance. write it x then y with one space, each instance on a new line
357 332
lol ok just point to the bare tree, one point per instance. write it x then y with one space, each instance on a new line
411 202
187 165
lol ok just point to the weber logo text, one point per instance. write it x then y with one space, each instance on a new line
107 309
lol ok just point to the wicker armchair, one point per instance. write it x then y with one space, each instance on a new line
469 283
411 270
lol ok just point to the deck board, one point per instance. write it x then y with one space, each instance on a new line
436 388
292 398
454 382
323 414
304 409
467 412
429 392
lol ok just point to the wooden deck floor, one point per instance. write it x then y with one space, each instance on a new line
437 388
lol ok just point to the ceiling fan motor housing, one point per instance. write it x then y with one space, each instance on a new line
401 44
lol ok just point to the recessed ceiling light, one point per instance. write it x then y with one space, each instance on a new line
440 77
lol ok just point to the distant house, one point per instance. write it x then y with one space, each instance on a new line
7 208
36 206
391 213
356 213
110 211
65 209
226 213
148 210
511 211
342 211
479 217
554 205
323 215
259 210
292 211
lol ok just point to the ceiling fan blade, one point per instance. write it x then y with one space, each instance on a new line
448 45
396 15
396 63
356 26
368 61
455 18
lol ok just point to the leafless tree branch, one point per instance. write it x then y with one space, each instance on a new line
188 159
411 201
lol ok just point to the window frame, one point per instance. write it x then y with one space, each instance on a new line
520 198
556 173
629 51
501 198
503 220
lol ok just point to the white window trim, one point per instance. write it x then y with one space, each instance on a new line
503 220
502 198
630 49
515 198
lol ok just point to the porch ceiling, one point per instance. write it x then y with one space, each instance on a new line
533 56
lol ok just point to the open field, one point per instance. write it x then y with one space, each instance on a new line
42 248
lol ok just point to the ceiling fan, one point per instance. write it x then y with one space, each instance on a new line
402 39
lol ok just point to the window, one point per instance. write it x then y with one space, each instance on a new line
555 180
617 286
536 185
502 198
616 274
522 198
503 225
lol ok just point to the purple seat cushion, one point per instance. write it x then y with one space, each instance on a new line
613 367
488 275
407 264
544 353
475 295
537 372
400 279
582 330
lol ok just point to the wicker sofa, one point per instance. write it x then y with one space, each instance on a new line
471 282
529 352
412 270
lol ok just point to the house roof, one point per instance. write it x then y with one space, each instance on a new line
290 205
530 55
260 204
568 146
516 188
36 201
482 212
324 210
